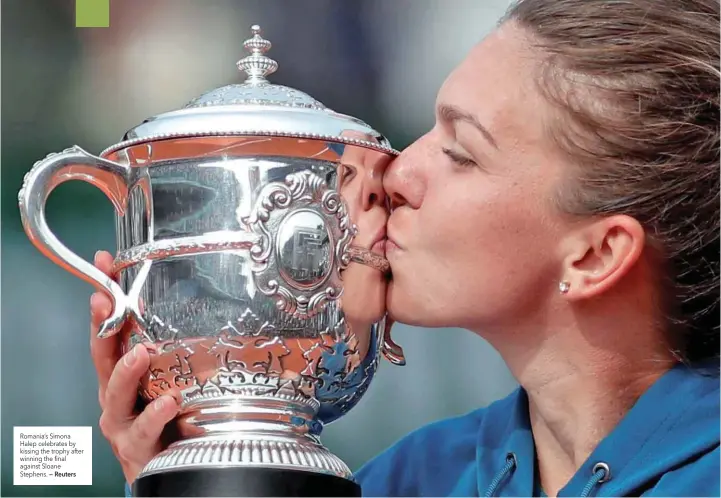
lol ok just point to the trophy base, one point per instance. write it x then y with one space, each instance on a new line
244 481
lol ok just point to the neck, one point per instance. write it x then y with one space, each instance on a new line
572 407
582 376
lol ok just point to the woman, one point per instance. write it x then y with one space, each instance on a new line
565 207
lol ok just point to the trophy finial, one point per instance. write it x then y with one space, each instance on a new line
256 65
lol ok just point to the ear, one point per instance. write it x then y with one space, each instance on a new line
600 254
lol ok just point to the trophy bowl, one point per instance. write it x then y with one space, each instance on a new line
250 263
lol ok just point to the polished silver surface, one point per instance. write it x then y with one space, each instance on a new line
256 107
110 177
252 268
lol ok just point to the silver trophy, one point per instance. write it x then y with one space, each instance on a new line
250 261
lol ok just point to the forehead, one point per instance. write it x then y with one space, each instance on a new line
496 83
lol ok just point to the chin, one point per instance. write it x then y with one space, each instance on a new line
364 295
404 307
373 309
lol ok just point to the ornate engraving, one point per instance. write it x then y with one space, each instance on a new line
256 90
327 370
368 258
284 452
303 191
252 132
256 94
248 325
183 246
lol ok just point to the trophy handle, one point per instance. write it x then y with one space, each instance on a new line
74 164
392 351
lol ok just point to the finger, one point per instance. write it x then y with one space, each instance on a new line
105 352
148 426
122 390
104 261
100 308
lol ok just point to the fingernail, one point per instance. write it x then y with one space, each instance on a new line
159 403
130 357
95 258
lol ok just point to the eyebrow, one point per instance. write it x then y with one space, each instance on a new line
452 113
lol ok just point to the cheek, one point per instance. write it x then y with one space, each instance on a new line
364 292
489 248
351 195
486 221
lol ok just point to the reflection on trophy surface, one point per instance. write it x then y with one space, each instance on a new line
361 186
250 262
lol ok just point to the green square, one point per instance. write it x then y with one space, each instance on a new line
92 13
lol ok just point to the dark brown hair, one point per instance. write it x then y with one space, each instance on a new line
636 88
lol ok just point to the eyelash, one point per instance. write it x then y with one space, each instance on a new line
459 159
347 173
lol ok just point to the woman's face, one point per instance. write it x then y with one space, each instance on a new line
360 177
473 237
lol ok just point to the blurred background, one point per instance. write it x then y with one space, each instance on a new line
382 61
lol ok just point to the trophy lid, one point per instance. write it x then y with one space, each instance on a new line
255 107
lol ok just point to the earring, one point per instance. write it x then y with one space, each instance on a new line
564 287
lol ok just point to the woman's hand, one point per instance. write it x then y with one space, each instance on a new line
134 437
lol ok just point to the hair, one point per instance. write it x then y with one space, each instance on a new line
634 85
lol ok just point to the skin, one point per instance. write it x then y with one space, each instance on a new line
134 438
364 288
476 241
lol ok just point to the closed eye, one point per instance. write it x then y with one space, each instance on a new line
347 173
459 159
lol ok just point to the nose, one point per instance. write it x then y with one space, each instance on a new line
404 183
373 193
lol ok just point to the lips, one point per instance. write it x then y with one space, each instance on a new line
391 246
379 244
379 247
